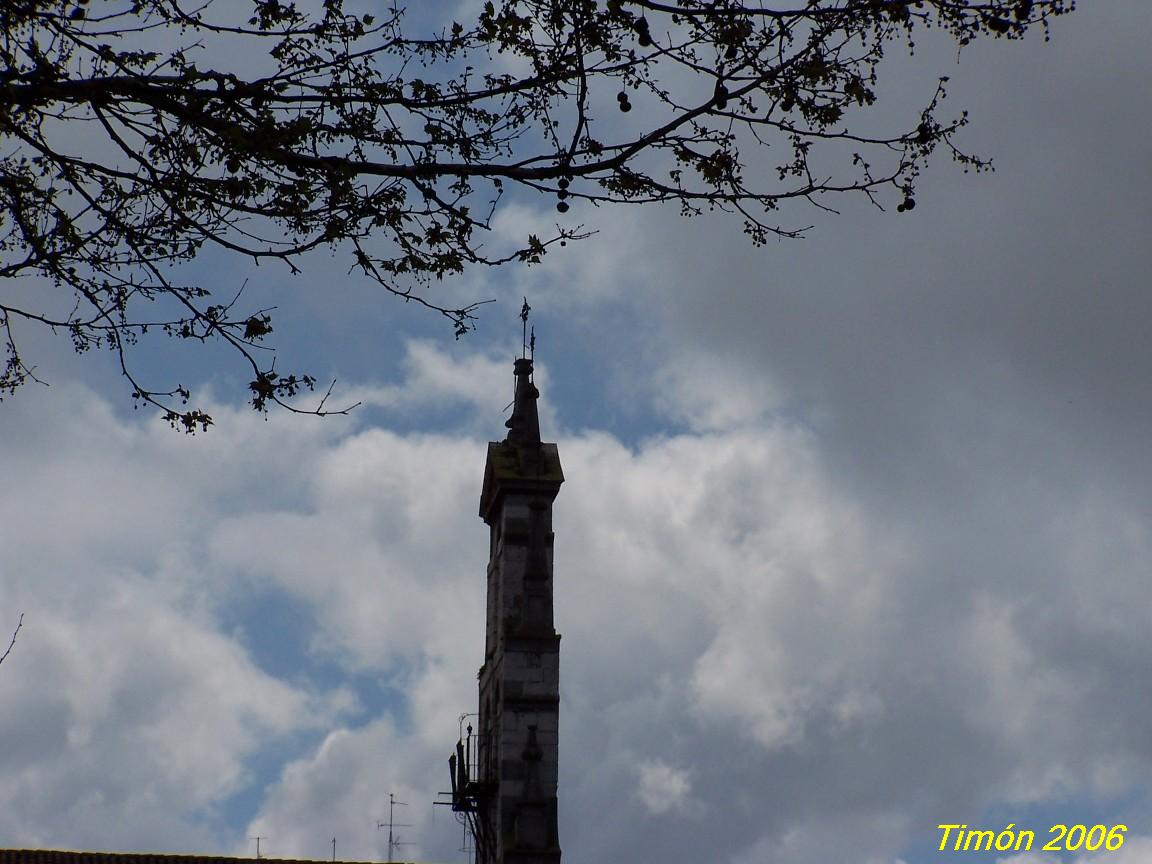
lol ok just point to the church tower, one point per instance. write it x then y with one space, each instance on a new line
508 782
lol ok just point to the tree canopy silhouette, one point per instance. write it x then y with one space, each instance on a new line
137 133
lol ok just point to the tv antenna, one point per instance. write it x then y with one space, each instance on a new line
394 842
467 844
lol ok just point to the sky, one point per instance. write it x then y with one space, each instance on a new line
855 539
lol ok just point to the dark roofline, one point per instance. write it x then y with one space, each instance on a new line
61 856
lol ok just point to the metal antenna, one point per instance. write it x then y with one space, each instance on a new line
393 842
257 839
467 846
333 850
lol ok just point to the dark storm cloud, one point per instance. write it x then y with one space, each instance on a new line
1004 299
975 374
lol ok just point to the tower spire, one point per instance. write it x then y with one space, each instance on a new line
524 424
509 791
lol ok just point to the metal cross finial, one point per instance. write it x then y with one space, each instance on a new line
524 310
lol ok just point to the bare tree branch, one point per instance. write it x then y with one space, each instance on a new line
11 644
273 130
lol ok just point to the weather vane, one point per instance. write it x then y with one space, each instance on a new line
527 343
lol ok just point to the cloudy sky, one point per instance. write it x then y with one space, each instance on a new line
856 538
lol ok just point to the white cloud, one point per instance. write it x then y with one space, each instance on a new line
896 569
709 393
127 710
340 791
437 382
747 642
432 378
663 788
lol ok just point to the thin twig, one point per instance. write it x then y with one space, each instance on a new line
19 624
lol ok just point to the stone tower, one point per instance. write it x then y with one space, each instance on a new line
516 754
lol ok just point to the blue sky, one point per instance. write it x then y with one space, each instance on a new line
855 538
